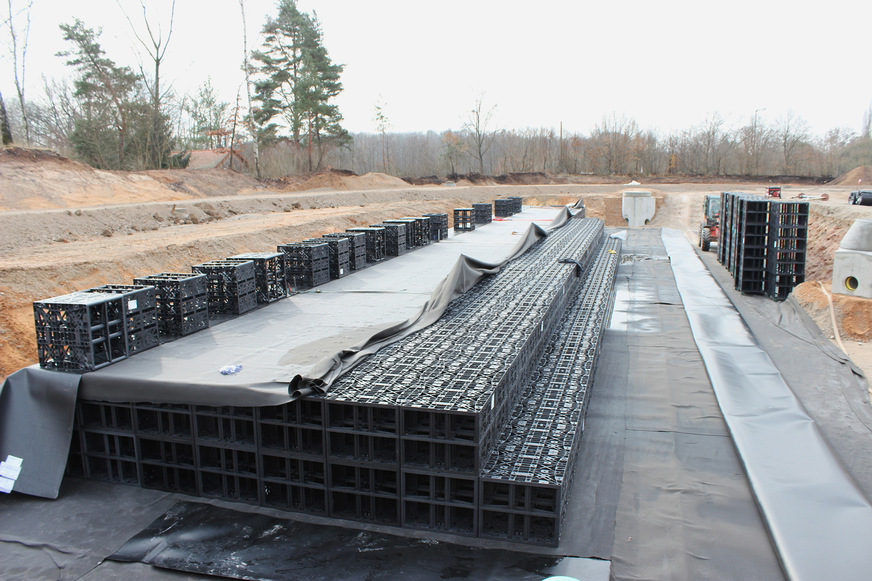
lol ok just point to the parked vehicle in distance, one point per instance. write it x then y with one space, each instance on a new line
861 198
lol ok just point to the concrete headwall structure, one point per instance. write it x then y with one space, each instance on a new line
637 208
852 265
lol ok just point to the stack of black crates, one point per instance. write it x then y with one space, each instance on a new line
395 237
786 248
89 329
463 220
517 204
80 331
269 274
504 208
482 213
231 284
356 247
438 226
139 303
307 264
340 255
182 302
762 242
423 230
376 241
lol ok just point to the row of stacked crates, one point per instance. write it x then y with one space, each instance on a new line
87 330
762 242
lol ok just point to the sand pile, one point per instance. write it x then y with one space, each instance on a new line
859 176
853 314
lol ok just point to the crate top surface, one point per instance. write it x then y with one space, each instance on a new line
120 288
171 276
80 298
224 264
252 255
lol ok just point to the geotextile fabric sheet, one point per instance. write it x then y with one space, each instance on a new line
818 518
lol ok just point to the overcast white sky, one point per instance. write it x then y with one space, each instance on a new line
666 64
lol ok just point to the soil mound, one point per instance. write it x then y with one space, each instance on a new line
859 176
853 314
39 179
341 179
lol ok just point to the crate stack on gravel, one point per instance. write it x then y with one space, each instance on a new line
786 249
762 242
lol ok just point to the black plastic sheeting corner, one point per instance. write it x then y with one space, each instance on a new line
211 540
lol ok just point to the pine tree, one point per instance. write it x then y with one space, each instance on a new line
297 84
106 91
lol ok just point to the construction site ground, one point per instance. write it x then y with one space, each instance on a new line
659 462
65 226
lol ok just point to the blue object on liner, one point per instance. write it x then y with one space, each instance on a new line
230 369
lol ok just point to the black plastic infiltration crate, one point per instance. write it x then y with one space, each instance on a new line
411 226
357 247
140 314
424 230
503 208
763 243
517 204
482 213
269 274
463 220
81 331
232 287
375 242
395 238
182 302
307 264
438 226
339 257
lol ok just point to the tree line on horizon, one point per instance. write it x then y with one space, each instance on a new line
111 116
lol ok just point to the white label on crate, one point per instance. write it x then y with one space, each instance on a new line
341 271
131 305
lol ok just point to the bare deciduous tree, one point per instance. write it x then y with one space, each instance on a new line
5 130
791 131
19 65
247 67
156 48
477 132
382 124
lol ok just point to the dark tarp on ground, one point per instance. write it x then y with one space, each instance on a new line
818 518
200 538
36 424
